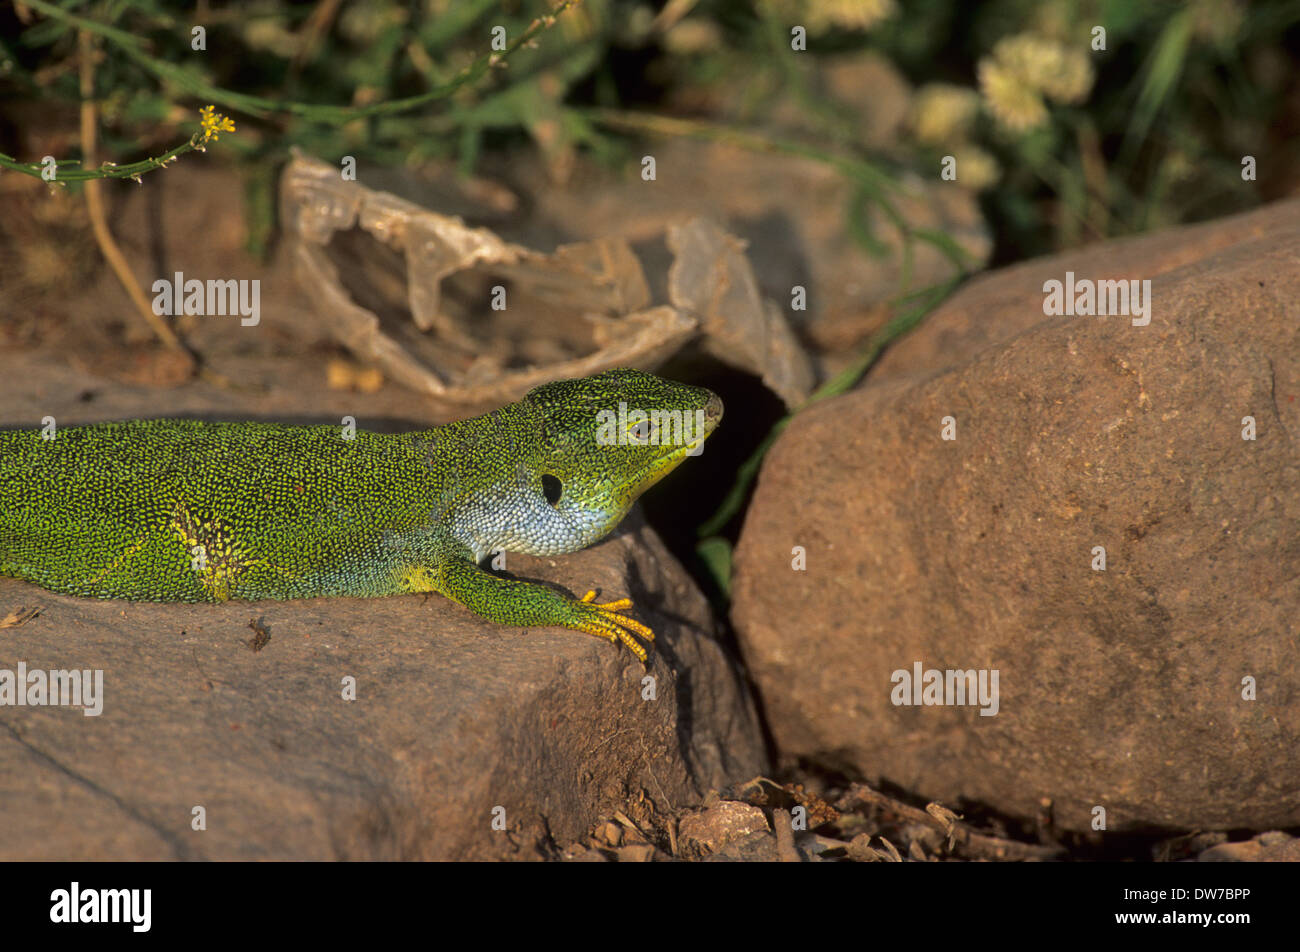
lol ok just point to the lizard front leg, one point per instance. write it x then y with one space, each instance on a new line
512 602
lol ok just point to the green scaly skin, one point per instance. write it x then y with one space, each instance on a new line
186 511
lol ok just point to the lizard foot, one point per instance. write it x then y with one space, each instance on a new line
605 620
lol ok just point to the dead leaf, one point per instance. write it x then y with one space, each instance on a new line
261 635
20 615
578 311
711 278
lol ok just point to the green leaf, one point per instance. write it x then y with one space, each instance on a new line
715 553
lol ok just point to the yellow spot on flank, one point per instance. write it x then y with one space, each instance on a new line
416 578
215 557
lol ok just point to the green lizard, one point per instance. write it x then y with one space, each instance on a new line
187 511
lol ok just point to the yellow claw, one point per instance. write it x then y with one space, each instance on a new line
608 623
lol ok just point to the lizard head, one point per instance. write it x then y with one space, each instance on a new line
607 438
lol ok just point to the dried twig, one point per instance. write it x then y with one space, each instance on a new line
938 817
95 203
784 828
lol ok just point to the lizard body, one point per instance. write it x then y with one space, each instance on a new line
188 511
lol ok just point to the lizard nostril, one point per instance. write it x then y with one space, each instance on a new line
551 489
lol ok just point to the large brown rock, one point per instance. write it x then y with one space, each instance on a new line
1121 688
453 716
997 305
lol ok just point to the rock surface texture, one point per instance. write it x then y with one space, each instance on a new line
1165 688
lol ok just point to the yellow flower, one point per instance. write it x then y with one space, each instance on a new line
1030 57
1013 102
822 15
848 14
1073 82
214 123
1063 73
976 169
942 113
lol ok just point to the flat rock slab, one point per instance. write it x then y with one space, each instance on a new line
453 718
1128 688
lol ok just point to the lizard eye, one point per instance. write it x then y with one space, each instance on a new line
551 489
